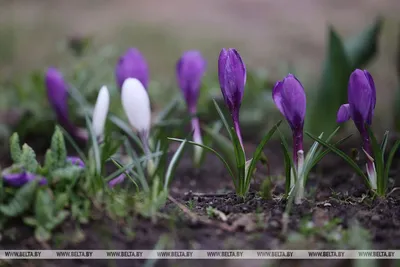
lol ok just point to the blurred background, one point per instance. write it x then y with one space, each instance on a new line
273 37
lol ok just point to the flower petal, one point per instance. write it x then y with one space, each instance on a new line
117 180
76 161
19 179
232 78
189 71
132 65
136 104
343 113
277 97
100 111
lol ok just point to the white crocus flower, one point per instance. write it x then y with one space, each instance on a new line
100 111
136 104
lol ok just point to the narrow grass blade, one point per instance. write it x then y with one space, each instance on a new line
141 176
240 163
384 142
389 163
95 145
213 151
224 121
74 144
127 174
224 146
168 110
341 154
378 160
322 154
126 128
286 148
173 164
288 167
258 152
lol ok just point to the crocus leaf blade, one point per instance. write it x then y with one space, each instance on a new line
389 163
213 151
332 91
240 163
224 121
173 164
224 146
341 154
378 159
362 48
257 154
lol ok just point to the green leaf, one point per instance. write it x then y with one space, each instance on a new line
332 91
362 47
22 200
74 144
95 147
43 207
257 154
126 128
240 164
49 160
68 173
15 148
341 154
378 160
61 201
389 163
28 159
384 143
224 121
289 165
58 149
168 110
173 164
213 151
30 221
223 145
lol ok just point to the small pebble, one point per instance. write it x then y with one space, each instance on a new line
327 204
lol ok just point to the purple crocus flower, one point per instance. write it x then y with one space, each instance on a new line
117 180
232 79
76 161
361 95
132 64
57 94
290 99
19 179
190 69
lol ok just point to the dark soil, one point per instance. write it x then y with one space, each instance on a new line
337 201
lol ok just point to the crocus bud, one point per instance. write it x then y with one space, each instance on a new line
189 71
290 99
19 179
132 65
136 104
232 79
76 161
100 111
57 94
361 94
117 180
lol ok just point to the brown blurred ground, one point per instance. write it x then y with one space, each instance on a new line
268 33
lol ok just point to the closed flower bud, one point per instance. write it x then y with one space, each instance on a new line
57 94
136 104
232 80
19 179
290 99
100 111
132 65
189 71
76 161
361 94
117 180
